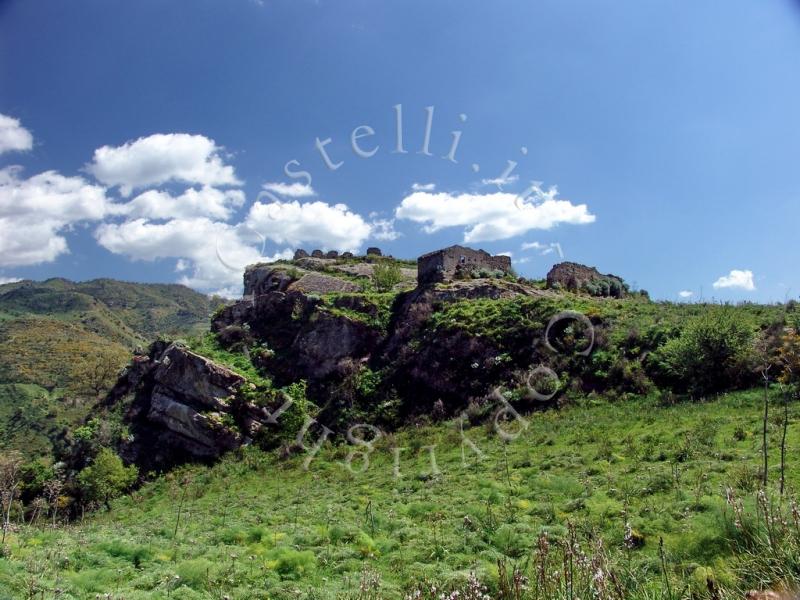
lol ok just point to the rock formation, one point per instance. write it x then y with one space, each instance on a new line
180 406
177 403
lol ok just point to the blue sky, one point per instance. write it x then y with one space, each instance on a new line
136 138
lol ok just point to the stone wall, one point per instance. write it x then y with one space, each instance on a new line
447 263
575 277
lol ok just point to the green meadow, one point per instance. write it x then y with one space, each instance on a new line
655 500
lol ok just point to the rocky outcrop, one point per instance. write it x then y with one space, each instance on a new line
308 341
180 406
317 283
264 278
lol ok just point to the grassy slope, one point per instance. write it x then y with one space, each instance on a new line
255 527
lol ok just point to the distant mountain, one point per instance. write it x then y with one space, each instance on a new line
52 331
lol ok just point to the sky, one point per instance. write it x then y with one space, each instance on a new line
180 140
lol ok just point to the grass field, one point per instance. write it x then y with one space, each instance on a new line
256 526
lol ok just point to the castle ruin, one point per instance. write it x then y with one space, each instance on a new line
457 262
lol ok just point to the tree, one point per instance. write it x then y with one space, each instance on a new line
95 375
10 481
107 477
386 275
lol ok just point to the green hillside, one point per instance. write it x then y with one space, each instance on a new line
611 479
52 332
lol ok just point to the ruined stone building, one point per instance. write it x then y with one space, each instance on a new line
457 262
576 277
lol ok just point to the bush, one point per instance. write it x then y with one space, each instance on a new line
712 354
386 275
106 478
290 563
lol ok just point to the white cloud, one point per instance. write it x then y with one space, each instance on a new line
488 217
292 190
383 229
35 212
423 187
501 181
204 202
213 255
13 136
333 227
736 279
5 280
162 158
685 294
508 254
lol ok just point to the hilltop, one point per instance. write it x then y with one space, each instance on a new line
370 339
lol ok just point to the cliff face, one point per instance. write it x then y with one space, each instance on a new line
178 404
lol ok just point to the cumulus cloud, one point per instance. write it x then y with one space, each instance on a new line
162 158
5 280
330 226
13 136
204 202
736 279
685 294
291 190
35 212
423 187
488 217
211 255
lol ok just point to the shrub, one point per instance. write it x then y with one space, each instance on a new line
106 478
292 564
196 573
712 354
386 275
